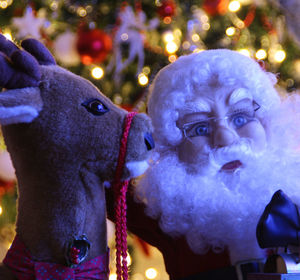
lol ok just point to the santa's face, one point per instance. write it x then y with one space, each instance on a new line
225 116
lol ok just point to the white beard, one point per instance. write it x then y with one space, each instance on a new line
213 209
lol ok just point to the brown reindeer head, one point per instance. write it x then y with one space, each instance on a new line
64 137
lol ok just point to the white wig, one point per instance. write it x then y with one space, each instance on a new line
179 83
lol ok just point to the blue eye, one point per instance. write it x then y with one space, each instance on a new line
95 106
240 120
202 129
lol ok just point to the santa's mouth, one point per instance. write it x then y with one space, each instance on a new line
231 166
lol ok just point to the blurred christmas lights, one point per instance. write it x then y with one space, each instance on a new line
81 12
54 6
97 73
230 31
5 4
195 38
8 35
168 37
151 273
143 79
234 6
146 70
261 54
113 276
279 56
171 47
172 58
124 37
245 52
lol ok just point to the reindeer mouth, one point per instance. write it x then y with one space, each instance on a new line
136 168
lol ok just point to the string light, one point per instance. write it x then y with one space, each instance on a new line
177 32
3 4
7 35
124 37
171 47
81 12
97 73
54 6
172 58
151 273
143 79
168 37
146 70
186 45
206 26
245 52
280 56
240 24
89 8
204 18
234 6
158 3
167 20
230 31
261 54
195 37
113 276
128 258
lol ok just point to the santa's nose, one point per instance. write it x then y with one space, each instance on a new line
224 136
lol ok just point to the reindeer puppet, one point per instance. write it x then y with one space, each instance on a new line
64 139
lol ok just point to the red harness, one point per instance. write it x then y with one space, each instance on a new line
120 189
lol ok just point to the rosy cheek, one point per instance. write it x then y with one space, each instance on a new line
190 151
256 132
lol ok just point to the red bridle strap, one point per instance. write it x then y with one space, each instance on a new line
120 189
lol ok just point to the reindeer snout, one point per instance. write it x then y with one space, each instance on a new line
149 141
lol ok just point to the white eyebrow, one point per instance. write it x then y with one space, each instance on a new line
238 95
198 106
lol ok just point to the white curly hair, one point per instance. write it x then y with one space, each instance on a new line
176 86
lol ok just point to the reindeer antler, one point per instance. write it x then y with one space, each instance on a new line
18 68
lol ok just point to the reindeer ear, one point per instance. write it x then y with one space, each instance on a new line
20 105
18 68
39 51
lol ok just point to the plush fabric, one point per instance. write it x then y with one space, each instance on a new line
62 150
19 260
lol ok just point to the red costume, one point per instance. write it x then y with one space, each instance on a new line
180 260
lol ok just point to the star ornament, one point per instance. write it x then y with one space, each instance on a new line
28 25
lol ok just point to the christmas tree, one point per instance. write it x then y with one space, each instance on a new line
120 46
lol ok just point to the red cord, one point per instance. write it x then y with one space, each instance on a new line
120 189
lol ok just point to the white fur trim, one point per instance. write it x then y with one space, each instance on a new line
17 114
137 168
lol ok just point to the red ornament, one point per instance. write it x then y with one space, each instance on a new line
167 8
93 45
6 187
215 7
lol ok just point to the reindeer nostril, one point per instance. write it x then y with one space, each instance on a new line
149 141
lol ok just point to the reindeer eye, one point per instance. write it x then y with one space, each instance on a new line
95 106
